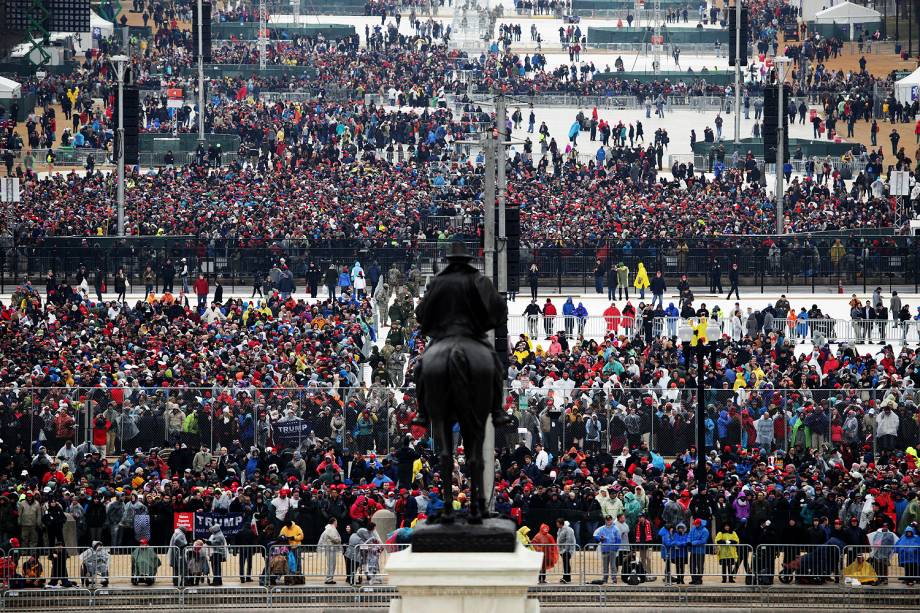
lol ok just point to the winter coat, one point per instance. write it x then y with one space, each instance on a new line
641 281
673 544
699 536
609 537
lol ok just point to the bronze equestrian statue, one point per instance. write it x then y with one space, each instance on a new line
459 377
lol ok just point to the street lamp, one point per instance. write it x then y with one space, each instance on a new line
119 62
695 340
781 63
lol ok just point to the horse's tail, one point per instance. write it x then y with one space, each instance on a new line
459 380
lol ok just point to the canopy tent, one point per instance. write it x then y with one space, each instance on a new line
848 13
9 89
99 28
907 89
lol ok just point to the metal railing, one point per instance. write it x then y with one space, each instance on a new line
573 326
683 561
820 331
64 156
694 48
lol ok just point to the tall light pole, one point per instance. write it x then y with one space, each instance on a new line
695 340
200 76
263 33
781 64
488 206
738 55
120 61
501 121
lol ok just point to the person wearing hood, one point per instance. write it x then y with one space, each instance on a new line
565 539
523 536
177 545
727 540
581 313
908 550
622 281
94 562
674 542
641 281
330 542
568 312
544 543
353 554
219 550
672 315
144 564
698 537
882 543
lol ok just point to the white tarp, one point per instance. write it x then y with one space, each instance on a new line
907 89
848 13
9 89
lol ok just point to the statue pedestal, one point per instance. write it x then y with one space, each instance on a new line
464 582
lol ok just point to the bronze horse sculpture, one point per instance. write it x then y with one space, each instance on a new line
459 376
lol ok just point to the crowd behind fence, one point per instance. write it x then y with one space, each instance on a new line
806 260
74 422
817 331
273 566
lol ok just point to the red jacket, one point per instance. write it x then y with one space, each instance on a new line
201 287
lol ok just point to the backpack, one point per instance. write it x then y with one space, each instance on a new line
634 573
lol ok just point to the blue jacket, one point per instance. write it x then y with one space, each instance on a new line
568 308
609 537
699 536
581 311
908 548
344 279
673 545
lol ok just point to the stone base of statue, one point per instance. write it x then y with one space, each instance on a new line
462 568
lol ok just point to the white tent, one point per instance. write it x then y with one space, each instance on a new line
99 29
848 13
907 89
9 89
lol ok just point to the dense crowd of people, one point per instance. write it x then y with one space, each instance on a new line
803 449
296 413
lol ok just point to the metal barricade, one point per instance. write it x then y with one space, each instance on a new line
558 563
156 598
303 564
225 597
107 566
795 562
685 564
310 596
371 568
592 326
881 564
247 563
48 600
